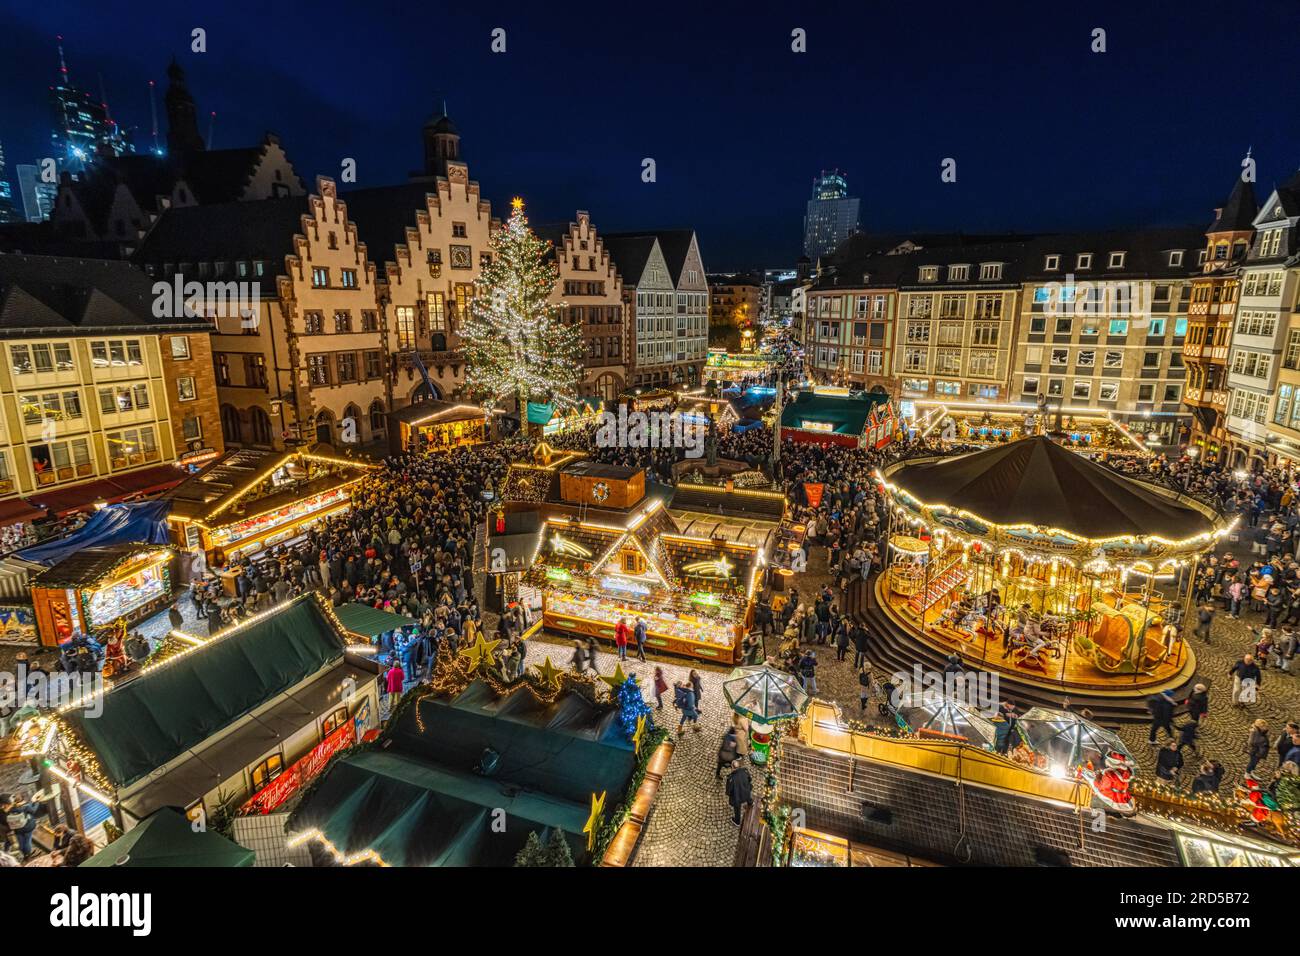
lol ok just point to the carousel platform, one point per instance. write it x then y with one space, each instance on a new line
1113 699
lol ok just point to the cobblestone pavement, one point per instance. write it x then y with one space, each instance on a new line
691 821
1223 731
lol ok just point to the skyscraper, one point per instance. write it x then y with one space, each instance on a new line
831 215
8 210
83 129
37 196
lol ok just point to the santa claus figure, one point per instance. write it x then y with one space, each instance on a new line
1111 785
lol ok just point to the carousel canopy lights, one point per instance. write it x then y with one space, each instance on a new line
1035 483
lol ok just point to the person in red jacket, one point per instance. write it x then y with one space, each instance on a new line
622 634
395 678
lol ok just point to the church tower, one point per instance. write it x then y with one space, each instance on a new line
182 114
441 144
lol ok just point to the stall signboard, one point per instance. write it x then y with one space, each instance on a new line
301 772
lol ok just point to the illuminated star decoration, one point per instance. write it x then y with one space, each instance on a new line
616 679
548 673
640 732
480 653
592 826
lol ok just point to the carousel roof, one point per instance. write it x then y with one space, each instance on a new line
1036 481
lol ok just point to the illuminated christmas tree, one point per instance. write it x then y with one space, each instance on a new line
515 340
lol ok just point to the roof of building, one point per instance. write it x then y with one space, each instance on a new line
147 722
847 414
417 800
1035 481
434 412
675 244
91 565
384 213
226 490
51 295
631 254
1238 213
228 232
1146 254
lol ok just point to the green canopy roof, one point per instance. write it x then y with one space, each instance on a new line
419 802
149 721
847 414
167 838
370 622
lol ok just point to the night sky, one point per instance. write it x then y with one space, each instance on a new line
1046 134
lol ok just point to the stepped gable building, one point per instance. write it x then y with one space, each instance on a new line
1211 317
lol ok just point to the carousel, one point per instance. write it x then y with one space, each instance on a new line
1031 560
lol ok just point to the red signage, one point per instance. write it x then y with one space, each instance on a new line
813 490
286 785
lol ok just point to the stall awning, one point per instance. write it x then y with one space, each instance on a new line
111 490
168 839
18 509
147 722
370 622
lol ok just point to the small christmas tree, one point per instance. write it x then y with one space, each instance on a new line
516 342
533 852
557 850
631 706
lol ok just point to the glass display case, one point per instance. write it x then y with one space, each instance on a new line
121 598
810 848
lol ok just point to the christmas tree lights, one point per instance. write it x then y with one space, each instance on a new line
515 340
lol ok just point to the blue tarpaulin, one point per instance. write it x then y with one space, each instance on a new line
142 521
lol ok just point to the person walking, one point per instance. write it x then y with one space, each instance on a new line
660 687
697 685
1161 709
1187 735
728 751
859 645
864 687
1198 702
1246 679
1204 621
841 643
639 633
808 671
1208 780
579 659
1257 746
174 616
394 681
740 790
684 700
593 652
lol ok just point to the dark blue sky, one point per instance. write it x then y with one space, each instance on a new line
1046 134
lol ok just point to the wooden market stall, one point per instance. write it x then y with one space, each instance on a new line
249 500
436 426
91 589
604 550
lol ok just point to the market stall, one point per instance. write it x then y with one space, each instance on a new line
250 500
90 590
694 594
853 419
1031 559
436 426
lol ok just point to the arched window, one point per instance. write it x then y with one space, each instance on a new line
260 426
324 428
230 425
352 432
